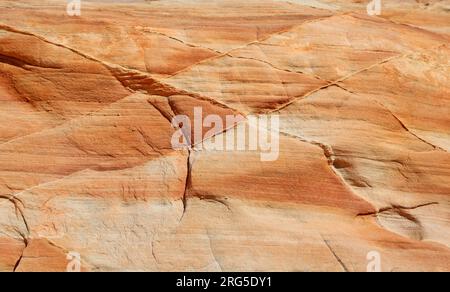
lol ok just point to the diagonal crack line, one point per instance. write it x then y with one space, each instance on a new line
26 242
337 81
212 251
147 140
19 212
16 265
19 260
214 199
330 156
145 30
66 251
112 67
410 26
166 115
167 89
397 207
152 245
306 4
63 123
376 159
50 182
16 195
207 99
231 128
275 67
402 124
293 100
187 185
169 117
327 150
338 259
188 182
259 41
345 89
8 60
86 56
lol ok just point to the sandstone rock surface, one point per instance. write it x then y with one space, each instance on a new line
87 164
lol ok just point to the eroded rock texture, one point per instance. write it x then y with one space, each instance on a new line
87 165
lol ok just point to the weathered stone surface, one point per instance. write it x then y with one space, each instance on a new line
87 165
